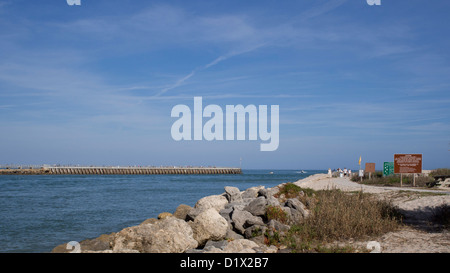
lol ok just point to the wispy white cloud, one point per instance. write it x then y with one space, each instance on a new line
177 83
180 81
320 10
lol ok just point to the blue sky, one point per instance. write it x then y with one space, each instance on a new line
95 84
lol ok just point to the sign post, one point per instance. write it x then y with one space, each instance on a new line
407 163
388 168
359 163
361 174
370 168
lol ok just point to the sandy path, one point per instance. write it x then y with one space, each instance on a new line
322 182
419 234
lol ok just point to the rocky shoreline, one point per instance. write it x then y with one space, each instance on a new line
233 222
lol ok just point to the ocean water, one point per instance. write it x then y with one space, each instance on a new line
38 213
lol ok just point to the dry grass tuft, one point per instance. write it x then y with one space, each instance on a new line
337 215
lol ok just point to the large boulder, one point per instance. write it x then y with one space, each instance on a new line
251 192
240 246
236 246
298 211
182 211
101 243
233 194
209 225
169 235
164 215
270 192
243 219
216 202
295 204
257 207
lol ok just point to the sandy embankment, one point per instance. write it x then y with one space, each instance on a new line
419 235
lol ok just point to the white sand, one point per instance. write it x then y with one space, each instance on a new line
418 236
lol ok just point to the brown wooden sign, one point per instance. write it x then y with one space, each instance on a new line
370 168
407 163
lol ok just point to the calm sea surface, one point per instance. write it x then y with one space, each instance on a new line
38 213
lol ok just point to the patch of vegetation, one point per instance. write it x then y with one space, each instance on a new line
272 237
290 190
441 215
340 216
441 171
276 213
377 179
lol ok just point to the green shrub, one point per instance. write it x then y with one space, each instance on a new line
441 171
291 190
276 213
441 216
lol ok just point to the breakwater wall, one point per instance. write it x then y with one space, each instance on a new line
119 170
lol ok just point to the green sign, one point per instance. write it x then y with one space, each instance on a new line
388 168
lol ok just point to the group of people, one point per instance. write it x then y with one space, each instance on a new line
345 172
342 172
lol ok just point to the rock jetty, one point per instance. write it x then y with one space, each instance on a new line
233 222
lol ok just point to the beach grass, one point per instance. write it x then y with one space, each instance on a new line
340 216
377 179
441 216
440 171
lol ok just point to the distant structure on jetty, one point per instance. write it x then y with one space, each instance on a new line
92 170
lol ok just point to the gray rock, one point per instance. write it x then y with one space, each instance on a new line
295 215
276 225
240 205
252 192
233 235
182 211
190 216
241 246
295 204
194 251
244 219
255 220
149 221
217 202
257 207
272 201
263 192
217 244
169 235
259 240
226 213
212 249
254 231
209 225
100 244
287 210
233 194
269 192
